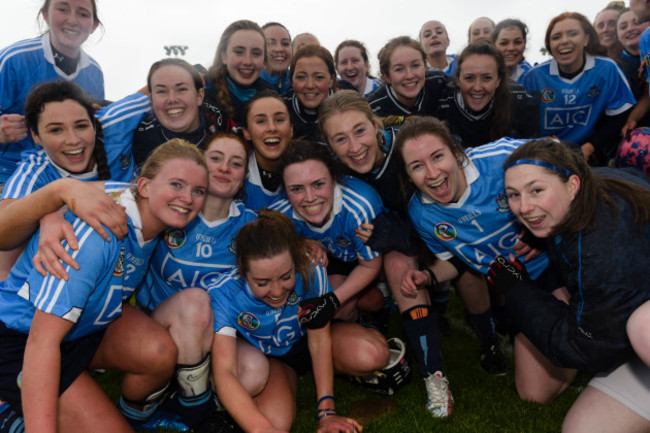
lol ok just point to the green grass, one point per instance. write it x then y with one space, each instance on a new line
482 403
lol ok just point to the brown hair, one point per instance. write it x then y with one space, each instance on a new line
271 234
593 46
59 91
356 44
501 120
388 49
194 73
418 127
594 189
175 148
46 6
313 51
342 101
302 150
218 71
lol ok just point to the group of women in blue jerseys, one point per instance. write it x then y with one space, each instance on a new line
224 230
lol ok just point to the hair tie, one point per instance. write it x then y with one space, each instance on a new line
544 164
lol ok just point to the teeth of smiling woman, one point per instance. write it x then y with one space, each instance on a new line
272 141
436 185
534 219
73 152
178 209
174 111
313 208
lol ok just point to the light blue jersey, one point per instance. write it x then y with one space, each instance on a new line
193 257
25 64
570 107
450 69
119 120
92 297
37 170
256 196
272 330
520 71
480 226
355 203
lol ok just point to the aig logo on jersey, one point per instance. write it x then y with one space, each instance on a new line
445 231
175 238
248 320
561 118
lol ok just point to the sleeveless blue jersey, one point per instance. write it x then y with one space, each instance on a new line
570 108
480 226
272 330
193 257
25 64
256 196
355 202
92 297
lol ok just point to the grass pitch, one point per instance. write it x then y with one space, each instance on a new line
482 403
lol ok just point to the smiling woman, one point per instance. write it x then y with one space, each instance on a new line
596 224
585 97
234 76
55 55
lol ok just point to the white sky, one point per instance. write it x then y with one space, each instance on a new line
135 31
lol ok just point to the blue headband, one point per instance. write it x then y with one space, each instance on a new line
544 164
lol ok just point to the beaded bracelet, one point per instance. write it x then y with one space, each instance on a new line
322 413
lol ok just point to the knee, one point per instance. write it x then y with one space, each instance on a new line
372 352
281 420
533 394
195 309
253 373
159 353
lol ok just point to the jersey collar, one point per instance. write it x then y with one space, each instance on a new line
590 62
84 60
233 212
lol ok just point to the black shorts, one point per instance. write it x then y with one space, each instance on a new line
298 357
339 267
75 357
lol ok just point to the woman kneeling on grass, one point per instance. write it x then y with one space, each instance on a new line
53 329
597 226
260 301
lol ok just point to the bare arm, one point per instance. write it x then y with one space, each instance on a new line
41 372
320 349
19 218
232 394
362 275
414 278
